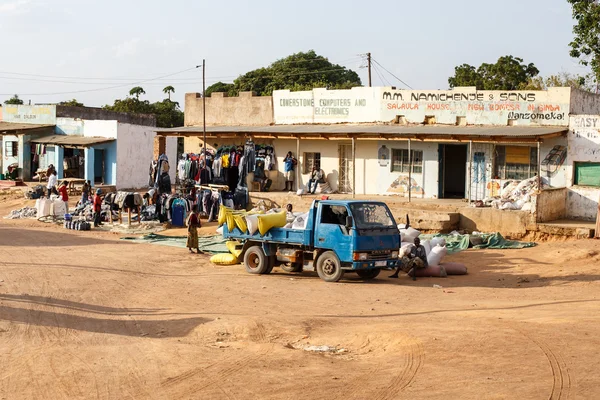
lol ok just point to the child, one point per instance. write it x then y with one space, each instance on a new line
64 196
289 215
193 223
97 208
85 192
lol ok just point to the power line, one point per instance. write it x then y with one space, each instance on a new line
385 69
179 79
105 88
382 78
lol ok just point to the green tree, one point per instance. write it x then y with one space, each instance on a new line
219 87
71 103
586 43
137 92
563 79
300 71
167 112
14 100
508 73
168 90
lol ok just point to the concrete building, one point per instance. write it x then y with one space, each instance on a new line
460 143
82 142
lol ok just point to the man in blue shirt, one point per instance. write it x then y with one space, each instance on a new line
289 163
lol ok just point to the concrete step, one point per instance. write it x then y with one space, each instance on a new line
582 230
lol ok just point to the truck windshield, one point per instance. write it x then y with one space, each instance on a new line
372 216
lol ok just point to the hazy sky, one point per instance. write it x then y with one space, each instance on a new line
84 45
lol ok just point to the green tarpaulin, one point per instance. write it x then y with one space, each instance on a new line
456 243
208 244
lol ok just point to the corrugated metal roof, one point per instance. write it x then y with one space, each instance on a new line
71 140
375 129
14 128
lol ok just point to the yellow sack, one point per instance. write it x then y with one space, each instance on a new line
223 211
240 222
230 222
231 246
224 259
268 221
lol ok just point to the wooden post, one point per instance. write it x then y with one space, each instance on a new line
470 171
298 164
139 215
129 216
120 216
353 167
409 172
539 166
597 232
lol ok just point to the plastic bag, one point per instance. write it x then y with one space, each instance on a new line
240 222
436 255
224 259
300 221
410 234
427 244
268 221
438 241
252 223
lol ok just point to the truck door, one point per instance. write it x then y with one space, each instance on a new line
331 232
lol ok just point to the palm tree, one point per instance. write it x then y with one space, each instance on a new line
168 90
137 92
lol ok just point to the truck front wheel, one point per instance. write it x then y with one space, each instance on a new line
368 273
329 267
255 261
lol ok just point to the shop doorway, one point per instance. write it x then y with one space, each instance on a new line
345 177
98 166
453 171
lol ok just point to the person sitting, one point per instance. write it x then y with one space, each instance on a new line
317 177
260 177
417 258
289 215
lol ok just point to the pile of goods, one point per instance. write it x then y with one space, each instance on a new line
54 207
436 250
78 225
36 193
23 213
516 195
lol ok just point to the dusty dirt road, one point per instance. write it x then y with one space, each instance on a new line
84 315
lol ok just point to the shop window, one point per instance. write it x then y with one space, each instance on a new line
11 149
587 174
310 160
400 162
515 162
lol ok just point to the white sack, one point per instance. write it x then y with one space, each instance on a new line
436 255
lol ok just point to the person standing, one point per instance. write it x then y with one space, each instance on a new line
289 165
85 192
52 182
97 208
417 258
193 223
64 195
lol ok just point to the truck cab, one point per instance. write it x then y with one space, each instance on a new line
340 236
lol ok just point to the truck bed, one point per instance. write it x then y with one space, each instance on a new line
274 235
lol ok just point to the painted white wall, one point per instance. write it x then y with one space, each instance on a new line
171 149
99 128
583 146
135 144
424 185
6 161
383 104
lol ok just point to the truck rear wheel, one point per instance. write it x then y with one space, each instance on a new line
368 273
329 267
255 261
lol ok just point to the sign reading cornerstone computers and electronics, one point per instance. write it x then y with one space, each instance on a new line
380 104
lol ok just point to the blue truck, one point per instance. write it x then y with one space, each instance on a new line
339 237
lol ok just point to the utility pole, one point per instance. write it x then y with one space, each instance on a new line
204 108
369 67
